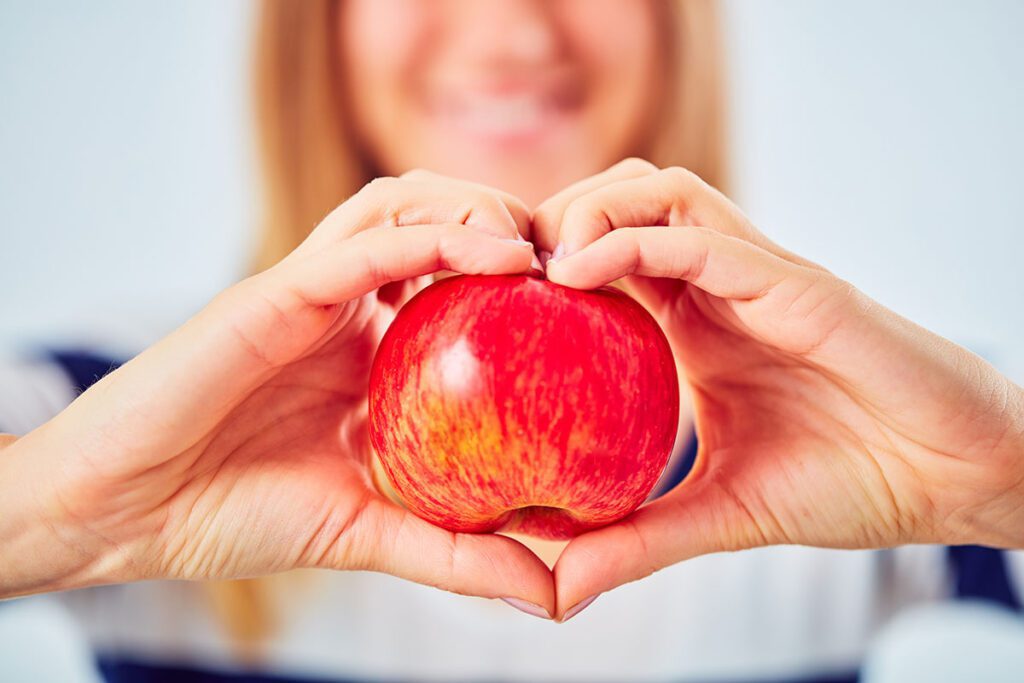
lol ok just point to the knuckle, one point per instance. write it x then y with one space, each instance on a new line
681 177
493 205
546 215
845 293
446 240
581 209
513 202
379 200
635 165
381 184
486 212
459 210
417 174
487 201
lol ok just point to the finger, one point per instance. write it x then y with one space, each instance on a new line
347 270
387 538
283 311
668 197
672 196
791 307
253 328
720 265
395 202
547 218
516 207
692 520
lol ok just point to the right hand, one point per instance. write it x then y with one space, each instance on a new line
823 418
237 445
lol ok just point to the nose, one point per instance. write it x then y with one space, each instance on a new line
505 32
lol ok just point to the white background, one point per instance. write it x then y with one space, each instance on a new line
882 139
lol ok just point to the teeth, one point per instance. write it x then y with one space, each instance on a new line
500 115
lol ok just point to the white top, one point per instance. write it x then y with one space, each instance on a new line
773 613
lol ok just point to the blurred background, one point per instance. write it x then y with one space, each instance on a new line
880 138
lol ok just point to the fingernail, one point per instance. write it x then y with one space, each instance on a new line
578 607
536 264
559 252
518 241
528 607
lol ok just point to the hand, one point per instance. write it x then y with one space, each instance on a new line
237 446
823 418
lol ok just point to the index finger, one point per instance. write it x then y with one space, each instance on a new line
547 218
516 207
401 202
667 197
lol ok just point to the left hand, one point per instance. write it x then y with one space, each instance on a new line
823 418
237 445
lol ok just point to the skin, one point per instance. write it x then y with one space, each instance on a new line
824 419
237 445
447 85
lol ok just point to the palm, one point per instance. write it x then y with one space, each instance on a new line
290 462
776 431
823 418
285 469
237 445
803 455
809 435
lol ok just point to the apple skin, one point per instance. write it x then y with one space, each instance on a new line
510 403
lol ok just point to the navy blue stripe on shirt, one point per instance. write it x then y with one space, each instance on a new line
981 574
83 368
682 466
679 466
123 671
116 670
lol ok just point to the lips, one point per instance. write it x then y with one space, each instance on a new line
524 112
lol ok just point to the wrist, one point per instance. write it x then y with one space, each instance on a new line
999 521
41 548
1017 457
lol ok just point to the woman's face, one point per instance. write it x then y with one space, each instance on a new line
525 95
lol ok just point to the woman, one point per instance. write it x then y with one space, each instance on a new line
236 446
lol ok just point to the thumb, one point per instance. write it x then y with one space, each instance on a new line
693 519
387 538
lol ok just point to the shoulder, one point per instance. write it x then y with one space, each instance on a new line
39 378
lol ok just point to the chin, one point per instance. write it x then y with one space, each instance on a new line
531 165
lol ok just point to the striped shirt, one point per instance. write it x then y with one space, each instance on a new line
772 614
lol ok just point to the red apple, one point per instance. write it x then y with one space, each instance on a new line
511 403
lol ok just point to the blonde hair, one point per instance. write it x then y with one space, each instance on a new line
311 161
